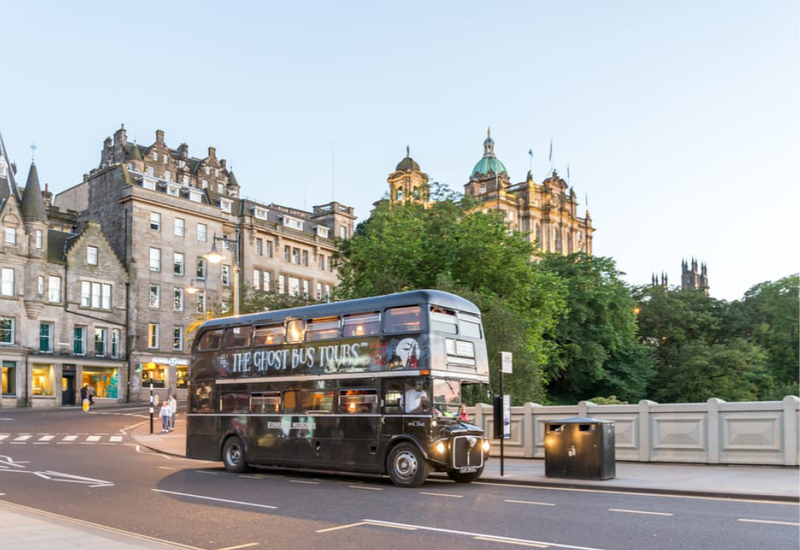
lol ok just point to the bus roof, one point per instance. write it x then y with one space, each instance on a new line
360 305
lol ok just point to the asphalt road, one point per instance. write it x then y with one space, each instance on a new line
85 466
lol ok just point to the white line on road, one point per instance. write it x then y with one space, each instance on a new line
530 502
69 438
115 438
46 438
299 481
768 521
201 497
533 544
252 477
93 438
23 437
248 545
3 436
639 512
469 534
204 472
366 488
441 495
340 527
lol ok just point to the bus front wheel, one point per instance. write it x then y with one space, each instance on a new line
407 466
466 477
233 455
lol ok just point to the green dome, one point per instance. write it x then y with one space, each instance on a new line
489 164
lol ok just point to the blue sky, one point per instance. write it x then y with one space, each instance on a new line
679 120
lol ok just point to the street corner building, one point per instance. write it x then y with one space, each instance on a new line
163 212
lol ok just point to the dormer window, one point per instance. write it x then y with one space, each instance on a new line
195 196
173 190
322 231
148 183
220 189
225 206
294 223
259 213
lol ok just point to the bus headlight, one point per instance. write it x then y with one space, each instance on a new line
440 447
485 446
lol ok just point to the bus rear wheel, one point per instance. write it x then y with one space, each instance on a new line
407 466
233 455
467 477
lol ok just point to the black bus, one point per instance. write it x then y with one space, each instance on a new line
367 385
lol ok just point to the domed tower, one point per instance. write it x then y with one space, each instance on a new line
489 173
408 183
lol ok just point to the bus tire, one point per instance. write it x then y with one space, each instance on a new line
469 477
406 465
233 456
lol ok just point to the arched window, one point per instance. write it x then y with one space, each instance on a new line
556 244
399 194
415 193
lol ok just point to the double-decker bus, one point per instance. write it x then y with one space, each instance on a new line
368 385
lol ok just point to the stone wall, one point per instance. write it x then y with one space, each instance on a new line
715 432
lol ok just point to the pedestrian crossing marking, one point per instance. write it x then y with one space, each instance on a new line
93 438
70 438
3 436
47 438
22 437
116 438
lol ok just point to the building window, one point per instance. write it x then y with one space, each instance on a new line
327 292
221 190
40 285
79 340
6 330
7 286
259 247
201 301
287 253
100 342
178 263
42 380
305 257
295 256
54 290
225 206
106 297
11 236
322 262
155 259
256 279
328 260
282 284
168 175
152 336
202 232
268 248
267 281
201 268
343 233
319 291
305 289
180 227
155 296
91 255
115 337
155 156
177 339
39 238
155 221
45 337
9 378
86 294
226 275
177 299
294 286
294 223
204 184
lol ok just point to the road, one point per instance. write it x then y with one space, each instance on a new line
86 467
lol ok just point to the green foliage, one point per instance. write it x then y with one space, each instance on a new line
596 348
452 246
256 301
610 400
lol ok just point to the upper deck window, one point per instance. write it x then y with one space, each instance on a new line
269 336
237 337
443 320
323 328
210 340
469 325
361 324
403 319
294 331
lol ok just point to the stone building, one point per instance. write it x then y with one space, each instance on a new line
62 302
694 276
162 212
547 212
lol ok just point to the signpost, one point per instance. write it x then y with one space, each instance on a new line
505 433
151 366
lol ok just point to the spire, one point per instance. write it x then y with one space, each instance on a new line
488 144
8 186
32 206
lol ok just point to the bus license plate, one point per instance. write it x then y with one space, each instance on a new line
468 469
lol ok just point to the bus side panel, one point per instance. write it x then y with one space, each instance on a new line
202 437
357 442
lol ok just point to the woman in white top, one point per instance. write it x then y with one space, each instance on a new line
165 413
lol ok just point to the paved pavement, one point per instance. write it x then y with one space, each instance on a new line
28 529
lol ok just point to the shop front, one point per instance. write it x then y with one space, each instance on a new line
166 374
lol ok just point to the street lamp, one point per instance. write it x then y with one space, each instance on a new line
192 290
215 257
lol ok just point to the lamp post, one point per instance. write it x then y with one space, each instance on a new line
215 257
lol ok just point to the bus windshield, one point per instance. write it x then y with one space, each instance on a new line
446 397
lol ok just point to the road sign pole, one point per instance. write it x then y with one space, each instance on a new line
503 434
505 367
151 403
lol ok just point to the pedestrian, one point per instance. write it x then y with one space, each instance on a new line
165 415
173 407
84 393
462 413
90 394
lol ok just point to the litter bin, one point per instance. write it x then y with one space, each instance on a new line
579 448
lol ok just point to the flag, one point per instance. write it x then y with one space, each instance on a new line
551 150
530 152
567 172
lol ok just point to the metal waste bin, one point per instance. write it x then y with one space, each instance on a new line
579 448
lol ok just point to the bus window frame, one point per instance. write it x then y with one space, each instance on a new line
277 327
385 318
350 320
289 338
370 392
313 334
266 395
207 334
230 330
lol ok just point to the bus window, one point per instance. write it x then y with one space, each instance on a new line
268 336
294 331
446 397
324 328
469 326
210 340
361 324
393 397
358 401
265 402
443 320
308 401
237 337
460 352
402 319
234 402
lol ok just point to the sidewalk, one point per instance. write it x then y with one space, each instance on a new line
755 482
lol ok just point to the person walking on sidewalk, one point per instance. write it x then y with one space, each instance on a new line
173 407
165 415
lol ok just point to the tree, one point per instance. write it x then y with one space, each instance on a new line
455 247
596 346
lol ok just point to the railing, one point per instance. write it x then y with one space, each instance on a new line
714 432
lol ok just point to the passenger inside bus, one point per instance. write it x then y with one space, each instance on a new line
416 399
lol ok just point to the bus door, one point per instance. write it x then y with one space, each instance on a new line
359 428
307 430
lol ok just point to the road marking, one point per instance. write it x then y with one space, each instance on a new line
22 438
530 502
204 472
768 521
93 438
639 512
366 487
201 497
533 544
329 529
301 481
115 438
634 493
473 535
70 438
3 436
441 495
46 438
251 477
248 545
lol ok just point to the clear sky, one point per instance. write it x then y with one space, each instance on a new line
679 119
